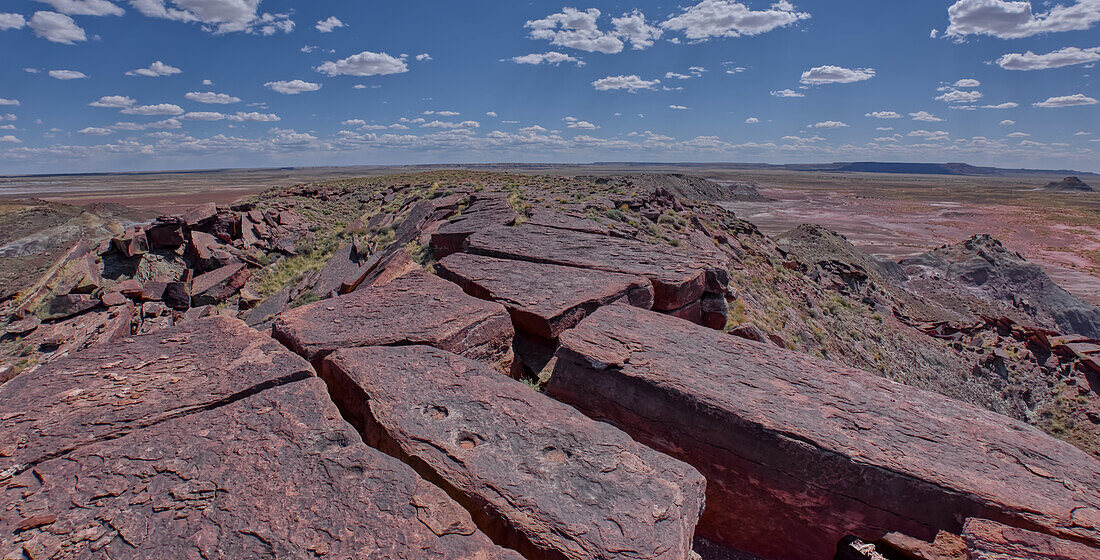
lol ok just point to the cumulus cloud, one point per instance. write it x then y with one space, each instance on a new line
150 110
883 115
631 83
678 107
423 57
1018 135
575 29
9 139
829 124
11 21
85 7
552 57
1008 122
1068 56
574 122
211 98
967 83
726 18
365 63
155 70
218 16
1007 105
203 116
633 28
67 74
56 28
930 135
95 131
443 113
752 120
1007 19
292 87
9 102
1067 101
253 117
327 25
952 95
836 75
924 116
113 102
787 93
442 124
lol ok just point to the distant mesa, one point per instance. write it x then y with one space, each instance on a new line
1069 184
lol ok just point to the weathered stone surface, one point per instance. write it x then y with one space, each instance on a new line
947 546
989 540
113 298
543 299
165 234
195 459
715 311
483 213
542 476
23 326
677 277
70 304
199 214
177 295
344 265
131 244
415 309
795 445
548 218
218 285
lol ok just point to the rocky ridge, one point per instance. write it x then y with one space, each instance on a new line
415 298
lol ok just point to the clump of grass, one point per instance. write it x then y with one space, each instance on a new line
305 298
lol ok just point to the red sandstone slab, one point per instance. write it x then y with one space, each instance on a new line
543 299
989 540
678 278
417 308
536 472
218 285
794 445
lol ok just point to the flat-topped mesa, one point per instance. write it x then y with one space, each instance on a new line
417 308
793 445
206 440
543 299
537 475
678 278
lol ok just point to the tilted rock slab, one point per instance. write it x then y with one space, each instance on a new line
417 308
207 441
544 299
989 540
538 474
793 445
678 278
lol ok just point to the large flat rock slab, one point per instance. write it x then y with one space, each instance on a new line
989 540
543 299
115 388
793 445
417 308
678 277
537 473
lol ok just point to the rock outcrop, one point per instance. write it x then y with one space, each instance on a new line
794 445
536 473
1069 184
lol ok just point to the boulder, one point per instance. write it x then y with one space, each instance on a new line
343 266
795 445
989 540
131 244
415 309
200 214
218 285
22 326
65 306
678 278
153 290
543 299
536 473
165 233
715 311
177 295
207 440
113 298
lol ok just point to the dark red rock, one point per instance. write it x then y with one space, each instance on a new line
481 214
68 305
678 278
226 226
547 218
749 331
113 298
216 286
344 265
543 477
415 309
153 290
177 295
794 445
947 546
692 312
131 244
715 311
989 540
165 234
212 441
130 288
543 299
200 214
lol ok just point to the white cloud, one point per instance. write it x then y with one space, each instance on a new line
11 21
67 74
327 25
1067 56
353 122
292 87
931 135
211 98
953 95
752 120
829 124
552 57
1018 135
1008 122
732 68
631 83
836 75
579 124
967 83
1082 133
149 110
253 117
726 18
787 93
492 114
207 83
884 128
365 63
56 28
1007 105
443 113
155 70
678 107
9 139
85 7
10 102
883 115
1067 101
203 116
423 57
575 29
8 117
218 16
113 102
1007 19
925 116
96 131
441 124
633 28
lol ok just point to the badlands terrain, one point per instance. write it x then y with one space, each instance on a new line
554 363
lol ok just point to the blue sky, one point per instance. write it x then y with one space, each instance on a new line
113 85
